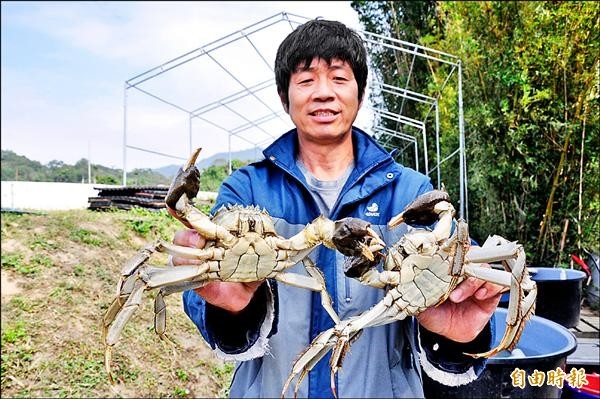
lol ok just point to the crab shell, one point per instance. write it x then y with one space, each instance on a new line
239 220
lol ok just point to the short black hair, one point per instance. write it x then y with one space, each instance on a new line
327 40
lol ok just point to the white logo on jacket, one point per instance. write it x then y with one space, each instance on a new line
372 210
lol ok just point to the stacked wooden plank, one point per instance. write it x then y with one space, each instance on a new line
151 197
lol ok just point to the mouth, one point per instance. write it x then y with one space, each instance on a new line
324 113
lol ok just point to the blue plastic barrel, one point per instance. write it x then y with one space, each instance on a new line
558 296
544 346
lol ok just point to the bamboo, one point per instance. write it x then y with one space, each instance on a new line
580 194
580 101
562 241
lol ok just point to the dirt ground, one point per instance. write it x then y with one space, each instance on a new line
59 274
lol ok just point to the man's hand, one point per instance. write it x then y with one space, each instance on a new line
466 312
233 297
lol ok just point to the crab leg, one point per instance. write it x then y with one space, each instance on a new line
523 292
492 251
318 231
213 253
340 338
156 277
314 282
207 229
116 327
130 297
144 254
160 307
324 231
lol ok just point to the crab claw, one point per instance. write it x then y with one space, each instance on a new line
421 211
184 187
355 237
357 266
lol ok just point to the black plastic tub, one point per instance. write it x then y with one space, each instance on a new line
544 346
558 296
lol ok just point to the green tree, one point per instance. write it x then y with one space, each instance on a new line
530 89
17 167
104 179
212 177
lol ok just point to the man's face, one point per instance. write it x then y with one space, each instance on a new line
323 100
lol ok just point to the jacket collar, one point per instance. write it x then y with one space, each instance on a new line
372 153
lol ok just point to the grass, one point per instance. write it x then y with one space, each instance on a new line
64 267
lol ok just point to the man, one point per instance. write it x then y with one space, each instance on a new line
326 166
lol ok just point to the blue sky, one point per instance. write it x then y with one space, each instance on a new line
64 66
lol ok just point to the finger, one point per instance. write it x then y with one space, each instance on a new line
466 289
488 290
189 238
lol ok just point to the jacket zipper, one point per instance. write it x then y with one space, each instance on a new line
347 289
347 286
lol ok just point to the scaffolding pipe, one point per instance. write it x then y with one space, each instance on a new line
425 156
229 154
125 135
461 146
190 132
437 144
376 43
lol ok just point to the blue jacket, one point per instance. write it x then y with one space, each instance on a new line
282 320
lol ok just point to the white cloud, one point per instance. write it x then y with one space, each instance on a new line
143 33
56 111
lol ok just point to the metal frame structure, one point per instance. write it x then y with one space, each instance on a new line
414 52
253 128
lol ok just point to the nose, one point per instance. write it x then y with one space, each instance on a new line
323 90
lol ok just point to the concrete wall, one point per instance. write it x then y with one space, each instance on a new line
46 196
55 196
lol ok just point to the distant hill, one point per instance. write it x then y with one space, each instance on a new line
20 168
218 159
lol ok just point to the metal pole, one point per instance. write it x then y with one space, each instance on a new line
125 136
89 163
190 134
425 156
461 141
229 152
416 156
437 144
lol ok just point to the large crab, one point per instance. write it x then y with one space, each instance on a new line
420 271
242 246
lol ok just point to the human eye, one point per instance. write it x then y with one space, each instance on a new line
303 78
340 78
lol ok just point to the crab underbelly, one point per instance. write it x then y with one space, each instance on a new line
426 290
247 268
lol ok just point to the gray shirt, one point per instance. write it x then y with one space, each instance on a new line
325 192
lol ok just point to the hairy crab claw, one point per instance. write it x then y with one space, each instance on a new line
356 266
422 211
420 271
184 188
354 237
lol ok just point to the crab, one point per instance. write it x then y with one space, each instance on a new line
242 246
419 272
